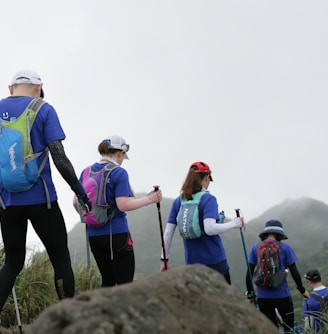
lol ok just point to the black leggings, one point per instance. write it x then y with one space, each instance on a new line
50 227
116 269
285 308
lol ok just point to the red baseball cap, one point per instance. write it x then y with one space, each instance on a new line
201 167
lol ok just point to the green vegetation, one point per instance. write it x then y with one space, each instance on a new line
35 289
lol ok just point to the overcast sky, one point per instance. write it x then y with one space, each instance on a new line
239 84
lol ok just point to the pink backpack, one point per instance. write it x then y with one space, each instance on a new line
94 184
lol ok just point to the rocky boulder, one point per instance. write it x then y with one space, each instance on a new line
188 299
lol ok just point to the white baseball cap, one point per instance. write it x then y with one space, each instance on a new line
27 77
119 143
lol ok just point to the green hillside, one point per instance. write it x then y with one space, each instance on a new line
304 223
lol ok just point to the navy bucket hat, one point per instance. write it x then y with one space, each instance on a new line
273 226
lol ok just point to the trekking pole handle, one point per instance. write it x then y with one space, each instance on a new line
237 212
156 188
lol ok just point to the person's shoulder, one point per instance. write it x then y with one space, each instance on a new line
177 200
176 203
256 245
47 107
284 245
208 196
119 171
325 290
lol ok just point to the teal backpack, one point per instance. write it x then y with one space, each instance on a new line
188 217
18 163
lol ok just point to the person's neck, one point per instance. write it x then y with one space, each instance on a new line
317 285
106 159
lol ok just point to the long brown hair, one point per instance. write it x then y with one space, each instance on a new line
192 184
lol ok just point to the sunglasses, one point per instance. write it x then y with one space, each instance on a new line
125 147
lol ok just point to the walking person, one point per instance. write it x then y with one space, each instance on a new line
273 291
111 244
208 249
39 203
311 307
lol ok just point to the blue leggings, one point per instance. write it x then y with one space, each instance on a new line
50 227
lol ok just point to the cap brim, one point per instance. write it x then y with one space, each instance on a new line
283 236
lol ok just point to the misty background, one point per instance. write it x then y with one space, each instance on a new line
241 85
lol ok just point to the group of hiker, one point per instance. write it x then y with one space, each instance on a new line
102 197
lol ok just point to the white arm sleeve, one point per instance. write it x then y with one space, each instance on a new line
168 237
211 227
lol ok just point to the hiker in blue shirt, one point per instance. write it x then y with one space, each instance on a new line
112 245
208 249
38 204
271 300
312 320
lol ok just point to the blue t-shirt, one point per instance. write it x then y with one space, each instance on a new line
311 308
287 257
46 128
118 185
207 249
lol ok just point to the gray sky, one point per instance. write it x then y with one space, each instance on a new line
241 85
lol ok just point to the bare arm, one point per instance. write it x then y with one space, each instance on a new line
131 203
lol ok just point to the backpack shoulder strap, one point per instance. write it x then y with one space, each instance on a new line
196 197
316 296
100 196
36 104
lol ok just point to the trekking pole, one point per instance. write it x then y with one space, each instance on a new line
156 188
246 258
86 233
308 316
87 246
17 311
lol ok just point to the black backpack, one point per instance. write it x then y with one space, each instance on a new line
267 273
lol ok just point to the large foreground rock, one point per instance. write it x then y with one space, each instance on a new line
188 299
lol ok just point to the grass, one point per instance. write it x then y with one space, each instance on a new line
35 289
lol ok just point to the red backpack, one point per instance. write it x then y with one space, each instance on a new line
267 273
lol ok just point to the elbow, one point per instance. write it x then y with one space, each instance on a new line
123 203
208 230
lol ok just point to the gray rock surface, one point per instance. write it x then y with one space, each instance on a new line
189 299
